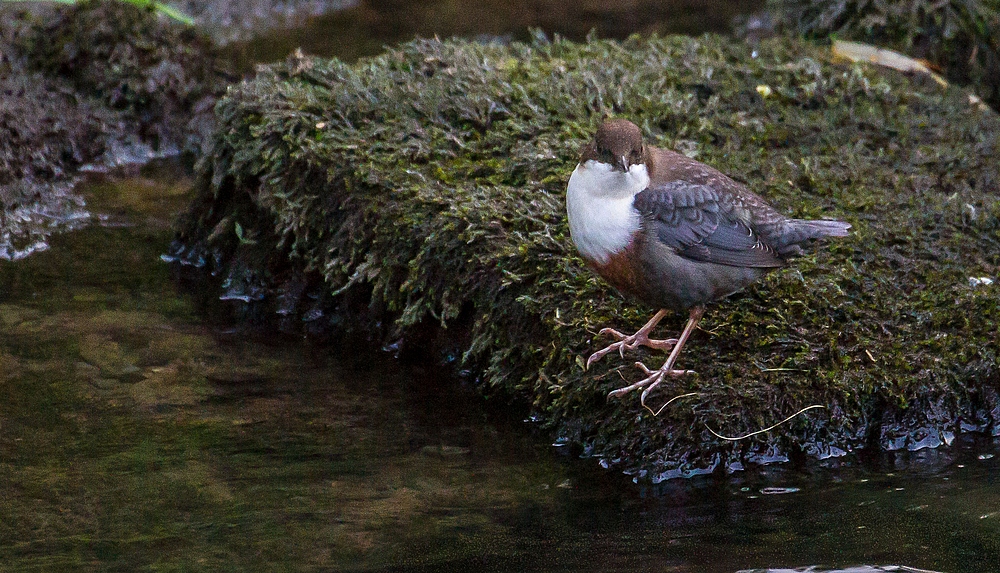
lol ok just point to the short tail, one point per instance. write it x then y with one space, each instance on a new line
798 231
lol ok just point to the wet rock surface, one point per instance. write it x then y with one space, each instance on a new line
232 20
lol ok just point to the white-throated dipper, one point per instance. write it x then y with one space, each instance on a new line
673 233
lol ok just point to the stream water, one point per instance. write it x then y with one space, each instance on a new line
142 428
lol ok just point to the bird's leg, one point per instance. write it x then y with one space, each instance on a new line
654 377
640 338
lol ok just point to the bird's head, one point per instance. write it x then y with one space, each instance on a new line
618 143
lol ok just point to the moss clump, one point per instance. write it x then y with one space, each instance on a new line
44 131
90 83
162 76
429 183
82 82
960 36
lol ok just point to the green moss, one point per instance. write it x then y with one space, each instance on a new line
429 182
163 76
960 36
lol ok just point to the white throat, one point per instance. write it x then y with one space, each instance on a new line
602 220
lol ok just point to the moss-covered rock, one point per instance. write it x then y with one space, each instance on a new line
429 184
162 74
93 83
44 131
83 81
960 36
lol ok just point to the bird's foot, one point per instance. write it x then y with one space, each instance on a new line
655 377
652 380
632 342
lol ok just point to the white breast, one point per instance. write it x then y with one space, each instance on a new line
599 205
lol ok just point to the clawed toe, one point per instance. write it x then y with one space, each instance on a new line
663 371
612 332
600 354
651 381
631 342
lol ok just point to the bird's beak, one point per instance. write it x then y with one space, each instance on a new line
624 163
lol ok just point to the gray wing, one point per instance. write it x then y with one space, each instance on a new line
698 225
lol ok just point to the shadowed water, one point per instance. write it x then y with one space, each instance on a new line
142 430
366 28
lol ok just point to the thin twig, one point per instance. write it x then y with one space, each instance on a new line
768 429
657 413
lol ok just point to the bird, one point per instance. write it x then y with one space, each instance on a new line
674 234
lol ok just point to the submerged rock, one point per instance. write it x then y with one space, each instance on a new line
419 196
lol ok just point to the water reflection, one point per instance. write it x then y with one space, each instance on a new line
138 430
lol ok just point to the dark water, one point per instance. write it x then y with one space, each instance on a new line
367 28
142 431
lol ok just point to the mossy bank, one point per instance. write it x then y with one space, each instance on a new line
83 79
962 38
91 84
426 186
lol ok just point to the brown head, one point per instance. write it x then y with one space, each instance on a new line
617 142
